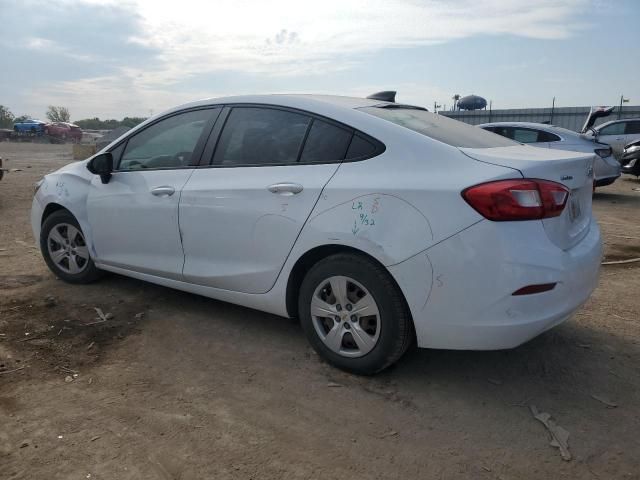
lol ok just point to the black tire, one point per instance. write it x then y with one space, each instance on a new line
89 273
396 327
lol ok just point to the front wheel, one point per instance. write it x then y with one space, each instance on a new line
353 314
65 249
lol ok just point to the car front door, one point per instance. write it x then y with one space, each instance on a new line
241 215
134 217
614 136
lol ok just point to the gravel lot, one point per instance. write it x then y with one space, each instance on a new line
176 386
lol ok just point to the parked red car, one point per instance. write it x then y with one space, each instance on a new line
63 131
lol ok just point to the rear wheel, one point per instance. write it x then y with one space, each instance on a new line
65 249
353 314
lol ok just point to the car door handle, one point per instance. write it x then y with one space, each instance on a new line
285 188
164 191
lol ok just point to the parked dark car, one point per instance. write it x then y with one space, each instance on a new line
63 131
30 126
630 159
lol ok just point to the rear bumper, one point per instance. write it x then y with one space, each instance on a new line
469 303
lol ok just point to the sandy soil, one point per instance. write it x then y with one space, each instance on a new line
176 386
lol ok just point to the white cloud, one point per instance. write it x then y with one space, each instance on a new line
290 37
286 36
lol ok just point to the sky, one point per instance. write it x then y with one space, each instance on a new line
112 59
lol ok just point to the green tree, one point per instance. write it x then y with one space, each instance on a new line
6 117
58 114
97 124
22 118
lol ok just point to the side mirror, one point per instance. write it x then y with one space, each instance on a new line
102 165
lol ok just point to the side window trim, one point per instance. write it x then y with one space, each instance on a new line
197 151
206 159
304 139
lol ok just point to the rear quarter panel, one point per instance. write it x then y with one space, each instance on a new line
399 203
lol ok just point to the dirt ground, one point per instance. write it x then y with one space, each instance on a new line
175 386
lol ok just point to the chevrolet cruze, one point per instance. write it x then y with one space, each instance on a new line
376 224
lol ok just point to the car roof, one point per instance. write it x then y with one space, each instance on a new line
611 122
284 99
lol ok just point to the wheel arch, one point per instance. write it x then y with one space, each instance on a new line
51 208
307 260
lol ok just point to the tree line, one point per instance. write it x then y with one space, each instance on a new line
62 114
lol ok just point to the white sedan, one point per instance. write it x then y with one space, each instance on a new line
606 168
376 224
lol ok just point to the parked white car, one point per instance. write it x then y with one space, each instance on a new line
616 133
606 168
374 223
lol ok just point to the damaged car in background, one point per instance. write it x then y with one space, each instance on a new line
377 224
606 168
631 158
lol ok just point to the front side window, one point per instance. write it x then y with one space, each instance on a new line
439 127
168 143
613 129
261 136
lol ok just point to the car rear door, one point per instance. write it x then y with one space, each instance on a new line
134 217
241 213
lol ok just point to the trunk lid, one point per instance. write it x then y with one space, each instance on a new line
572 169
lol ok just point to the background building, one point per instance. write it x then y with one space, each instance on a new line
568 117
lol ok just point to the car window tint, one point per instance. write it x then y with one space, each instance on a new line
325 143
632 128
360 147
547 137
440 128
525 135
613 129
506 132
261 136
166 144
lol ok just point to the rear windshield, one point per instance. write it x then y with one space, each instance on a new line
446 130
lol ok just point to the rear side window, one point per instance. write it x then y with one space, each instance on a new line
360 147
261 136
525 135
632 128
548 137
325 143
439 127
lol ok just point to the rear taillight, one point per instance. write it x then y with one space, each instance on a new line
603 152
526 199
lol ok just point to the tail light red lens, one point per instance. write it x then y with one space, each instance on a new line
511 200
